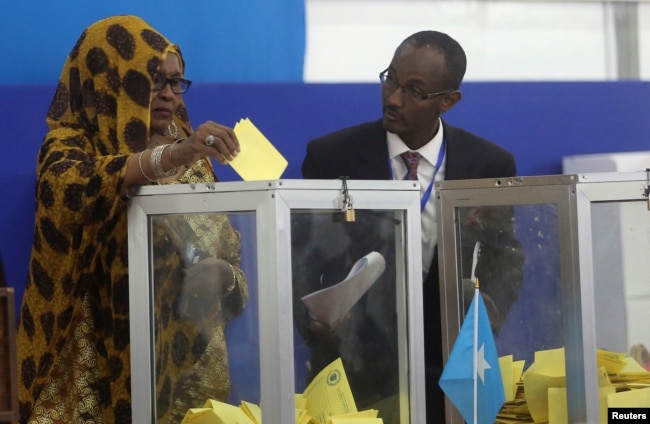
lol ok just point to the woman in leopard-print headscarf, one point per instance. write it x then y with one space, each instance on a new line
117 121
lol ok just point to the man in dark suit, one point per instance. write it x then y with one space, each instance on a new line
420 84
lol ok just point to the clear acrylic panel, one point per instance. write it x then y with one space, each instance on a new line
621 242
193 339
370 338
519 273
205 329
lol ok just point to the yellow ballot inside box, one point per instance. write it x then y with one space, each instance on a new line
327 400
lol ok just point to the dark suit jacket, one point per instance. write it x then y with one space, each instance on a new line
361 152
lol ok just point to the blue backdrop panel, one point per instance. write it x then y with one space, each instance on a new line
222 40
534 322
542 121
539 122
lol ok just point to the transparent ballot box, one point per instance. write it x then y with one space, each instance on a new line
561 267
261 296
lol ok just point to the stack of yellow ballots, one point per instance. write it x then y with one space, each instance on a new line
327 400
539 396
514 409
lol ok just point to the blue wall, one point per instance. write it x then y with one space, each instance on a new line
538 122
222 40
246 60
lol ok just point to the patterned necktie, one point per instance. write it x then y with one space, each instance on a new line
411 160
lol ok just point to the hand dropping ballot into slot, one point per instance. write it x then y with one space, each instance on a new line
331 304
258 159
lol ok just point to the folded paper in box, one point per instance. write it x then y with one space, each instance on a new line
333 303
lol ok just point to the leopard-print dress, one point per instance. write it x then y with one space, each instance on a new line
73 333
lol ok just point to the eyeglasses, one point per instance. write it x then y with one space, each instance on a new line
389 83
178 85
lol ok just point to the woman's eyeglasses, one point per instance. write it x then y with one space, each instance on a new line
178 85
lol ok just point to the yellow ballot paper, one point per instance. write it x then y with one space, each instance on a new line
632 366
639 398
258 159
329 393
507 369
557 407
252 411
547 371
557 404
300 401
302 417
200 416
215 412
613 362
229 414
368 416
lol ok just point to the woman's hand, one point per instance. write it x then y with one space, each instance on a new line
222 145
204 284
209 139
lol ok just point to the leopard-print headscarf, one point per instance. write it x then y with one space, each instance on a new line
105 86
73 336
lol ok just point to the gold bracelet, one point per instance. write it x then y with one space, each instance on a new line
231 287
142 169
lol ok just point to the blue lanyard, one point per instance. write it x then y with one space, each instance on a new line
427 193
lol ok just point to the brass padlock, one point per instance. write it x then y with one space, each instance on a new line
348 215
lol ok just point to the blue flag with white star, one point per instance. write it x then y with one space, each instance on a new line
471 378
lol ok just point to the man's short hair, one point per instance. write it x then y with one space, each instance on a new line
455 59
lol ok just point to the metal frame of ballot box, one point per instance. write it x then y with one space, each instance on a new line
270 204
573 230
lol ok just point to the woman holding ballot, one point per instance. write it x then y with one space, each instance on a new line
118 121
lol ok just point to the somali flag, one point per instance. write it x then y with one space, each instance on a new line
471 378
